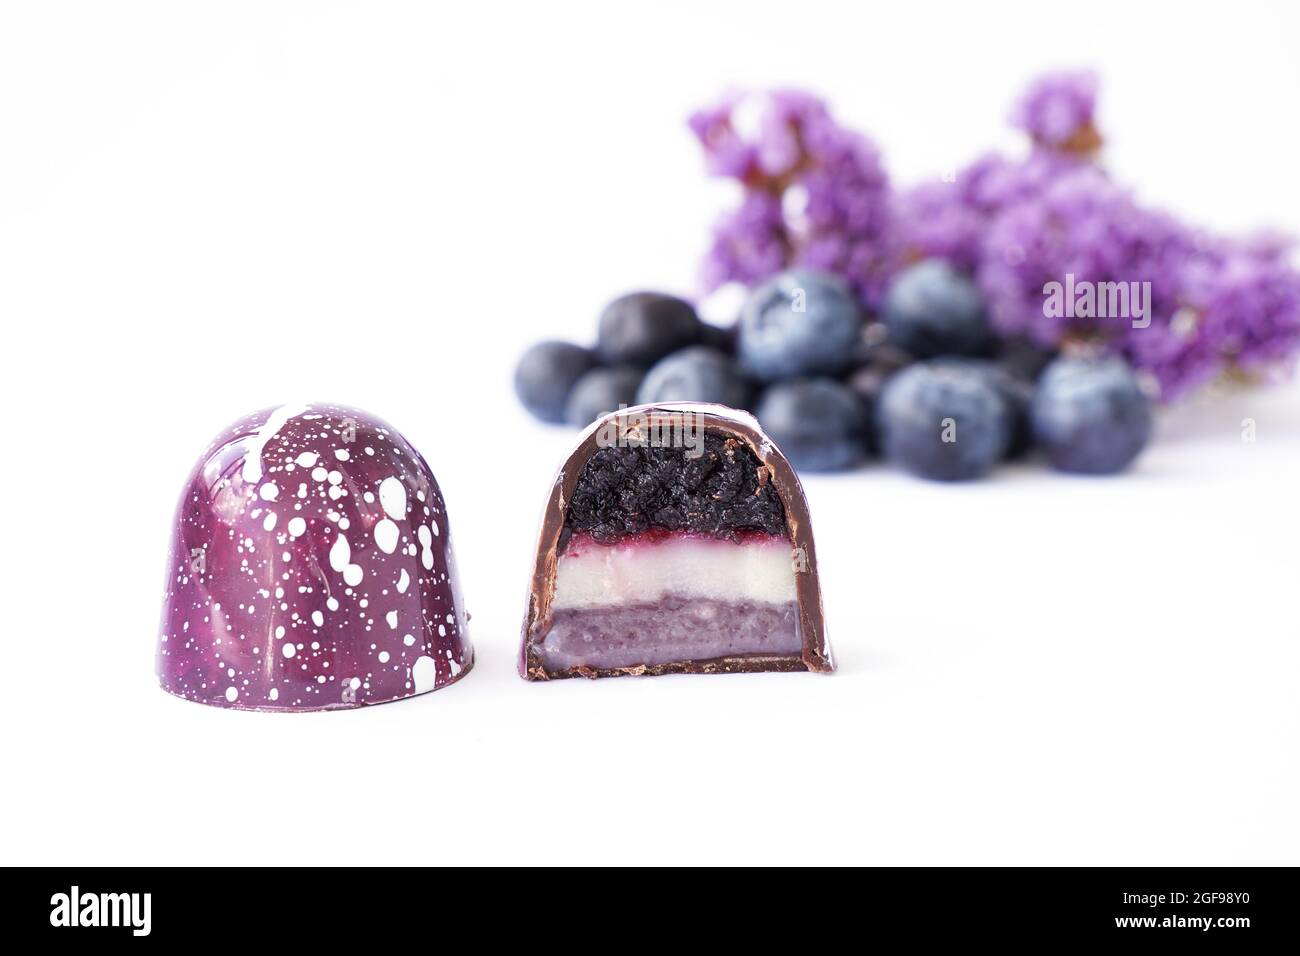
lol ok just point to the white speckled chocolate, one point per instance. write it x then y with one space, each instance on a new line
311 568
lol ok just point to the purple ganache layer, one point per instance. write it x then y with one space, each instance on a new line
675 628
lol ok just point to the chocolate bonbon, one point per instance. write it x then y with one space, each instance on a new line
676 539
311 568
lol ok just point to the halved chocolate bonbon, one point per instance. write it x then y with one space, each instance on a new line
676 540
311 568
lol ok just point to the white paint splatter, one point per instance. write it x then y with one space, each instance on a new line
232 694
383 657
386 535
297 526
392 495
318 618
288 650
252 470
403 582
391 618
340 554
426 542
424 673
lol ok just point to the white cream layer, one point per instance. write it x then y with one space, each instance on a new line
639 571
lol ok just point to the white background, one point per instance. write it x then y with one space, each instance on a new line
206 209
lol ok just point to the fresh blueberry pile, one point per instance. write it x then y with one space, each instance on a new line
927 386
1018 305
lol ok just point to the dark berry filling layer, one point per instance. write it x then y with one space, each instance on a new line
722 492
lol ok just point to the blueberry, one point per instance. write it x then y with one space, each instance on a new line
932 309
695 374
545 376
641 328
1024 360
867 381
881 355
600 391
943 421
720 337
798 323
1017 392
1090 415
1019 396
818 423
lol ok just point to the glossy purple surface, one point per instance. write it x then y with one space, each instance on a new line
311 568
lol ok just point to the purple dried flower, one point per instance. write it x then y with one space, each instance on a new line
1058 110
726 152
950 219
1240 313
750 242
815 194
1080 225
1197 306
935 220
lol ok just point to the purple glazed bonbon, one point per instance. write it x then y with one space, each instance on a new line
311 568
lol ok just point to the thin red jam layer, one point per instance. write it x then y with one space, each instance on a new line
575 545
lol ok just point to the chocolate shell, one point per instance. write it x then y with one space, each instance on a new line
643 581
311 568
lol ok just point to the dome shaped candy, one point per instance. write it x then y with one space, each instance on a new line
676 540
311 569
